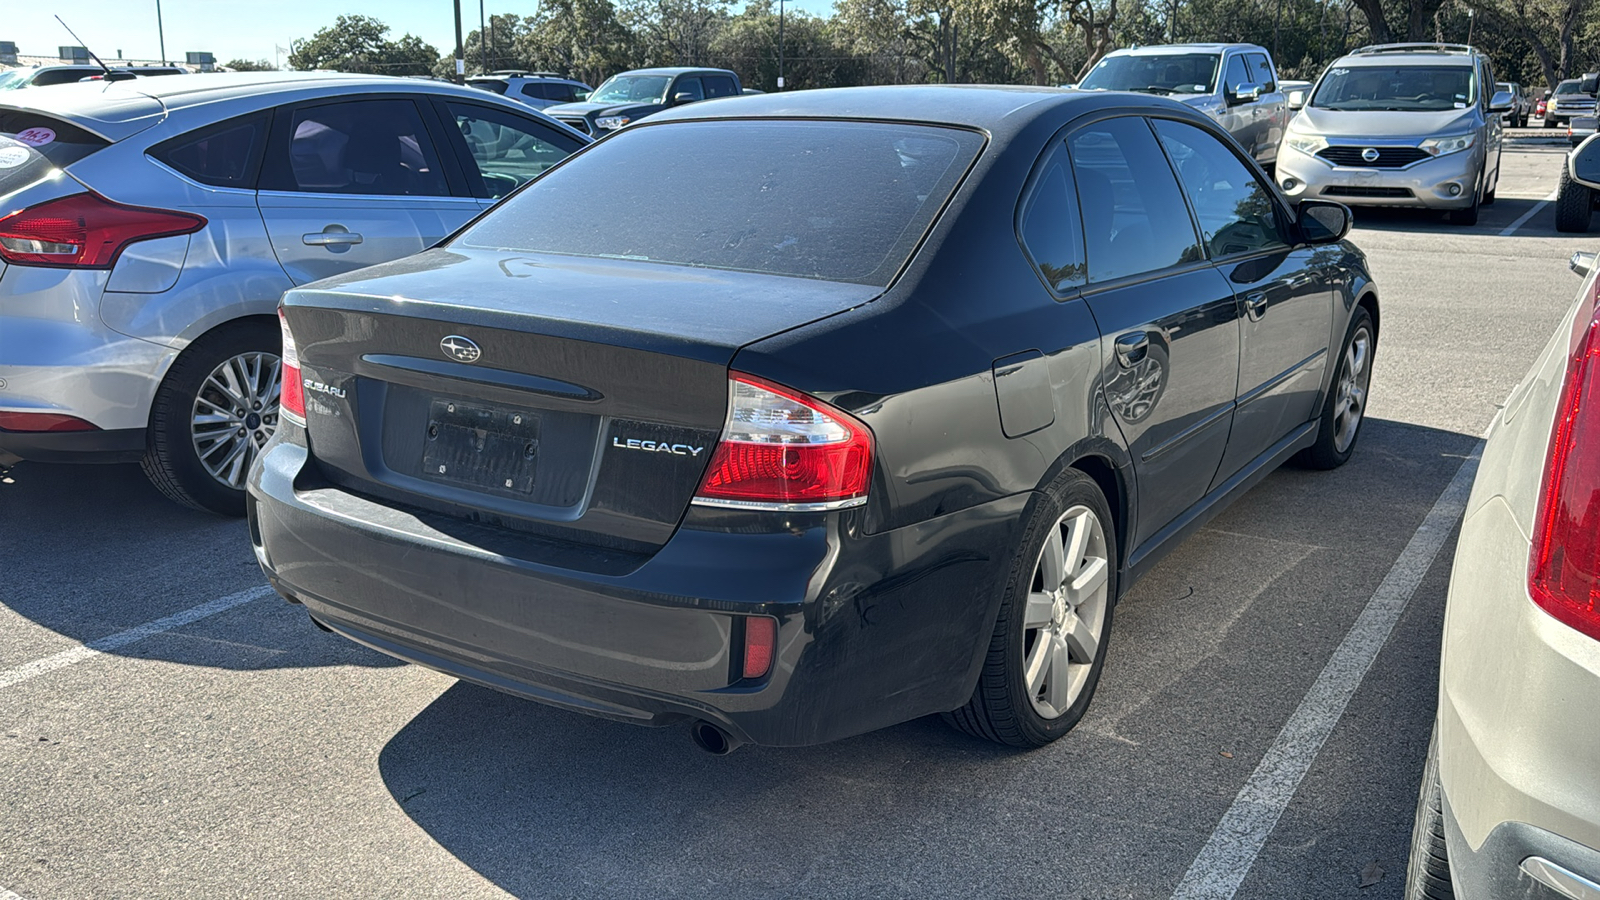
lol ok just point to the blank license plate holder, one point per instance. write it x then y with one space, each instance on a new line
483 447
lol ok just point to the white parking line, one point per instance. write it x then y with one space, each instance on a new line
8 895
1532 211
18 674
1226 858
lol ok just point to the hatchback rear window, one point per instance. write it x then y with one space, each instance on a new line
838 201
51 142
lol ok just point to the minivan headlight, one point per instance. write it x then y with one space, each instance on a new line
1442 146
1308 144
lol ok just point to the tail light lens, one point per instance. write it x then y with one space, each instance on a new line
760 645
85 231
23 421
292 399
782 449
1564 568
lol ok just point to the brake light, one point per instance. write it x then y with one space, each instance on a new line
292 399
85 231
36 422
760 645
781 448
1564 566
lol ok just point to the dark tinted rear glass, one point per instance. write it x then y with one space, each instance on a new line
62 143
840 201
489 84
227 154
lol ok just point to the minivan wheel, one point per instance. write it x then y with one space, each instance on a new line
1048 647
214 412
1345 407
1469 216
1428 869
1574 204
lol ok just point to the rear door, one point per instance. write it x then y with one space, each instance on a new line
1168 319
349 183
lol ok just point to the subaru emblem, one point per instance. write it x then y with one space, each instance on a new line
1370 154
460 349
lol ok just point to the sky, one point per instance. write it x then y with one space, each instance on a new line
240 29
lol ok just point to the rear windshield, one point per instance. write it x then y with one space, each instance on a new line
1398 88
489 84
838 201
60 143
1175 73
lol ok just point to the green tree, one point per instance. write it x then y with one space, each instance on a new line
249 65
358 44
581 38
675 32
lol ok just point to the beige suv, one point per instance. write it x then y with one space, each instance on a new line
1510 800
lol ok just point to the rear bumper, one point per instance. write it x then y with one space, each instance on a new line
873 629
122 445
1515 853
1421 185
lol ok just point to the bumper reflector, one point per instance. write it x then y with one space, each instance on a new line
760 645
21 421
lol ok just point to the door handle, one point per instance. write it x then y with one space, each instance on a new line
330 238
1131 348
1255 305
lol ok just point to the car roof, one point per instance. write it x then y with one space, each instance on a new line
1162 49
1405 58
673 70
997 109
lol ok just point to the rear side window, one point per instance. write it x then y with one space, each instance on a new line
490 84
839 201
1052 231
719 86
60 142
1134 214
226 154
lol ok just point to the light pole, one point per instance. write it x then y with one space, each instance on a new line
461 54
780 45
483 41
161 33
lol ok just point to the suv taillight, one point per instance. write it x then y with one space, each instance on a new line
1564 567
783 449
292 399
85 231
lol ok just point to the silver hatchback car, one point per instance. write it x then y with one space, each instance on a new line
1409 125
148 228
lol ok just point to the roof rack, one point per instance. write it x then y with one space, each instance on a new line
1415 48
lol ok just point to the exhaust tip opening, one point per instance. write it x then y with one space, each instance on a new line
712 739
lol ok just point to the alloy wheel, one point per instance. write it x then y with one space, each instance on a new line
235 413
1065 617
1355 373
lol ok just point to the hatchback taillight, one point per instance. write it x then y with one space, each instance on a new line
292 399
85 231
781 448
1564 567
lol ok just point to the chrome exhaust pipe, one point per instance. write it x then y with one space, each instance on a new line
713 739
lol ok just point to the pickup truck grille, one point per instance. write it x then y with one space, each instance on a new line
577 122
1388 157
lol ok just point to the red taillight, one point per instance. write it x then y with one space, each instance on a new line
22 421
783 447
1564 567
760 645
84 231
292 399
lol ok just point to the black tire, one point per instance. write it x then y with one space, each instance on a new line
1469 216
171 460
1574 204
1428 869
1002 708
1327 452
1550 122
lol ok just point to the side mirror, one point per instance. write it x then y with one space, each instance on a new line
1244 93
1583 164
684 97
1297 98
1589 83
1500 102
1582 263
579 96
1323 221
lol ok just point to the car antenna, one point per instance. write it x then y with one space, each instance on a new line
103 67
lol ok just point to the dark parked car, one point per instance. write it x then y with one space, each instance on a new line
855 418
630 96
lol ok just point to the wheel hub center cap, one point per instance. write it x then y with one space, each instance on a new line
252 421
1059 613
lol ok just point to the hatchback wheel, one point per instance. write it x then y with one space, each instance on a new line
215 410
1346 406
1048 647
1428 869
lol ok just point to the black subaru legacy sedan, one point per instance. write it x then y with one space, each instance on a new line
859 405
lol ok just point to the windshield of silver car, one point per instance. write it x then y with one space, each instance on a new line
1174 73
1398 88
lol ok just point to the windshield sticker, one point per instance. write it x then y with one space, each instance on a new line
11 157
38 137
1460 105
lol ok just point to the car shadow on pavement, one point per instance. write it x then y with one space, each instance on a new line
87 551
1213 651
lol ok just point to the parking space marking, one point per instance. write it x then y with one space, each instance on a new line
1532 211
9 895
1225 860
19 674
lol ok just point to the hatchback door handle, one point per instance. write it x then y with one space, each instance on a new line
1131 348
1255 305
330 238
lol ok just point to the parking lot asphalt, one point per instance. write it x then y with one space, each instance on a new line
239 751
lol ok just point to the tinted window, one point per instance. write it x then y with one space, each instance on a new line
1404 88
690 86
360 147
1133 212
842 201
227 154
1237 73
1236 212
58 141
1051 228
490 84
509 151
1261 71
1186 73
538 90
61 76
719 86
